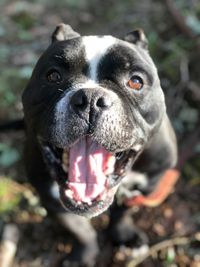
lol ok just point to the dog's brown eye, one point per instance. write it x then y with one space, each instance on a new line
54 76
135 82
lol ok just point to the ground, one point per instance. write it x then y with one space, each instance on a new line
173 31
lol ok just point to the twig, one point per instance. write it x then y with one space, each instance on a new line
8 245
184 70
177 241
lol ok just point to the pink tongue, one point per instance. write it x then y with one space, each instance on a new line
89 163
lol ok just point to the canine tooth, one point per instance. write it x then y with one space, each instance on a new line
65 161
65 157
79 202
69 193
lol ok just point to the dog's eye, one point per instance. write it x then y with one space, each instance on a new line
53 76
135 82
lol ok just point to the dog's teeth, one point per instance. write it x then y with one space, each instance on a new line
65 161
79 202
69 193
65 157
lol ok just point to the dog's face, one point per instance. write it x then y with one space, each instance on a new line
93 103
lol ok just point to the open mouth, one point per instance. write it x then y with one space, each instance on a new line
88 175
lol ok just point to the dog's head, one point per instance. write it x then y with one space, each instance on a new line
93 103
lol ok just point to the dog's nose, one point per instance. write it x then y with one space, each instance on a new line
79 101
83 100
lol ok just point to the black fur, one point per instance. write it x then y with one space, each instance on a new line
120 119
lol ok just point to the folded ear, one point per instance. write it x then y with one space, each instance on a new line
137 37
64 32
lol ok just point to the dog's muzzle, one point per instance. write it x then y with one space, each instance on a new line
90 103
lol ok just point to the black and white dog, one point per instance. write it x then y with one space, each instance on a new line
95 113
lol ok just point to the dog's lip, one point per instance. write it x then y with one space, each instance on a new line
89 210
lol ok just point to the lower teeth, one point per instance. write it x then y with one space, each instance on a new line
69 193
65 161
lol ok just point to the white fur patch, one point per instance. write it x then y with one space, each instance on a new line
95 48
61 106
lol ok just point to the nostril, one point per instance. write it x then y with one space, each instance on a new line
79 100
103 102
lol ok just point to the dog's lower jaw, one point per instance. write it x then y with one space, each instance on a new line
89 211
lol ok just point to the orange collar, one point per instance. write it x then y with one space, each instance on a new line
162 190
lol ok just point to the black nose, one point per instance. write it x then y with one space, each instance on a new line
79 101
87 100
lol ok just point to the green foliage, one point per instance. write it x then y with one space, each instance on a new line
9 200
170 256
8 155
24 20
12 82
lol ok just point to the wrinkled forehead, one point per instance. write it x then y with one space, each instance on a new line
91 51
96 47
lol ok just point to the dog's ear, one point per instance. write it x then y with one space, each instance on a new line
64 32
137 37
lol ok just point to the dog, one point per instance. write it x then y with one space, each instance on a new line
95 115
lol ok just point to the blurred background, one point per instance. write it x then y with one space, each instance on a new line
173 31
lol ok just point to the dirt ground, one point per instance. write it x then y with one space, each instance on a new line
173 31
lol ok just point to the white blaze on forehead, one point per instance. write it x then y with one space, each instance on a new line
95 48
